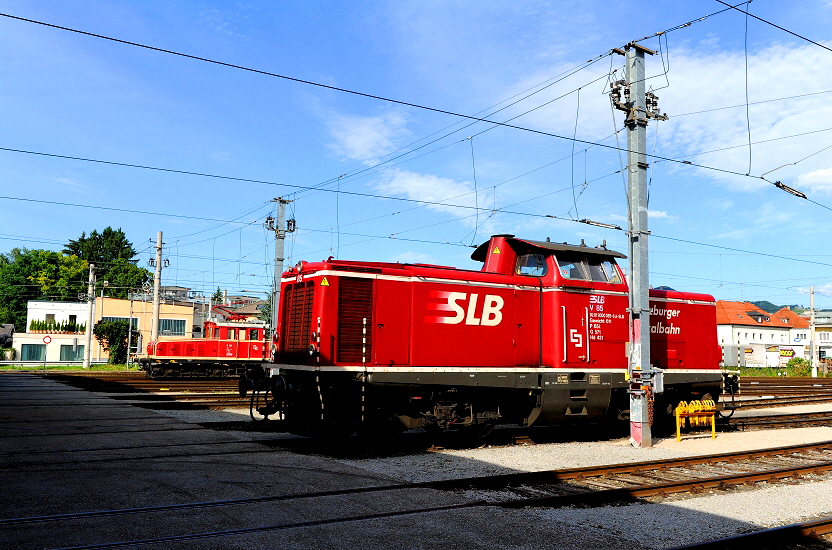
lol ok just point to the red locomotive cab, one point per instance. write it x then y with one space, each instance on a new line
571 302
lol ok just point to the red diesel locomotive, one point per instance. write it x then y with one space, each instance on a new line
228 349
540 335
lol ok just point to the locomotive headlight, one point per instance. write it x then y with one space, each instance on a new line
313 350
314 336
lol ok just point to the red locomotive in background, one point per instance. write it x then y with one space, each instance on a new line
538 335
228 349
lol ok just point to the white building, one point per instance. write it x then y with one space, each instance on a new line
765 339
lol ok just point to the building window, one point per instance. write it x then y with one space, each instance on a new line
73 319
50 317
68 355
32 352
134 320
172 327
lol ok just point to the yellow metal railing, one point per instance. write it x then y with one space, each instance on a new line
698 413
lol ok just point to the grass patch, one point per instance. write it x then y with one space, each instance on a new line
781 372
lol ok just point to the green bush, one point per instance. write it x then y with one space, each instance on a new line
797 366
113 337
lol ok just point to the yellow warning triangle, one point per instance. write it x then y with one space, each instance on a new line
324 282
496 250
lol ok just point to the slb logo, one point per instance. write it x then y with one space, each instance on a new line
490 315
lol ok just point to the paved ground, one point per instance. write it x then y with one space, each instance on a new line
68 451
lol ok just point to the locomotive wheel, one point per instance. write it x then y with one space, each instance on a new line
259 400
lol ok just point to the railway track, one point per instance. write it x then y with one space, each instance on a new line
589 486
157 394
162 394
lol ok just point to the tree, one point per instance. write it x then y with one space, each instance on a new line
111 253
217 297
37 274
113 338
265 313
123 276
101 248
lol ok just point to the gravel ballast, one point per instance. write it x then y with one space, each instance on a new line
713 516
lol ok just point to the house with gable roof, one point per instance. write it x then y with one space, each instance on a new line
766 339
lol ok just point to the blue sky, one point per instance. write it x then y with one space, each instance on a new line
74 95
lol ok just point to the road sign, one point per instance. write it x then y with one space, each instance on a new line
47 339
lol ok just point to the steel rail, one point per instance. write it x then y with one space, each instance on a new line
588 498
786 535
507 480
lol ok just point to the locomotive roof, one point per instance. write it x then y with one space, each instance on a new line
482 251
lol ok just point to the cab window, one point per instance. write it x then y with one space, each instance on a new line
252 334
611 271
572 266
533 265
232 334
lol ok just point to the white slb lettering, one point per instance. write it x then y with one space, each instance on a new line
470 319
460 313
491 314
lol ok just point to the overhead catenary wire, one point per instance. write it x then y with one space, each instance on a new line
774 25
619 148
476 191
747 112
575 135
375 164
336 88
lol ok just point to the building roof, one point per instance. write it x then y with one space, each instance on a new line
250 309
747 314
791 318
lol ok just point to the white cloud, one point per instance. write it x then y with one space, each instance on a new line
366 138
702 79
427 187
660 214
819 180
67 182
826 289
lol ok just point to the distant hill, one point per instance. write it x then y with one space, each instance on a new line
767 306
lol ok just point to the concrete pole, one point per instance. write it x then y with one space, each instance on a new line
90 303
640 368
279 239
129 330
157 289
812 352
